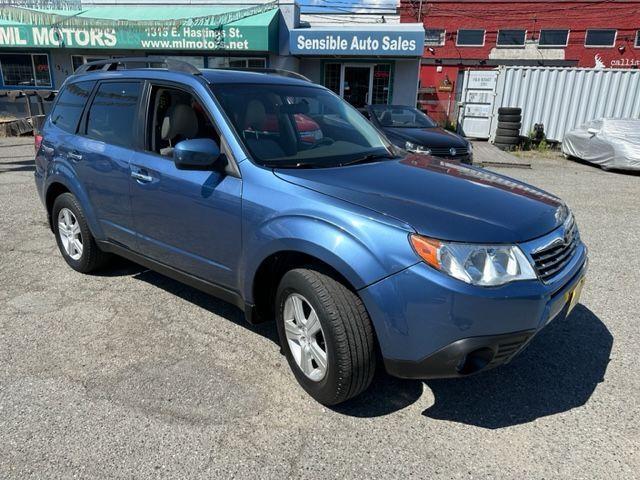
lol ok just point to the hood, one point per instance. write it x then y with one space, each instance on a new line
440 199
429 137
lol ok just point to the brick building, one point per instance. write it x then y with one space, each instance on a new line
465 34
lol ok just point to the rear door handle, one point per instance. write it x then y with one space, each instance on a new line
75 156
141 177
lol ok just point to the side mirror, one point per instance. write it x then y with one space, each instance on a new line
592 131
196 154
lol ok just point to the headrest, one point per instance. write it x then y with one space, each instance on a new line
386 119
180 120
255 115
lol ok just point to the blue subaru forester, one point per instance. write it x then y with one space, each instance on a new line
274 194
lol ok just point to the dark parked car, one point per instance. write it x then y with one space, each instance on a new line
359 251
412 130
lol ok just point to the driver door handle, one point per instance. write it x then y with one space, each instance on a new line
141 177
76 157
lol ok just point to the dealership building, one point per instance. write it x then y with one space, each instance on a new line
373 59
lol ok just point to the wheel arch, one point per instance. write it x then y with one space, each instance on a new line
267 277
60 181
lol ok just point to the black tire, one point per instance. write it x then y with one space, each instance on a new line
92 257
509 111
348 335
507 140
507 132
505 147
509 118
510 125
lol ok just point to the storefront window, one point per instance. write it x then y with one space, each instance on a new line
25 70
381 83
79 60
332 77
236 62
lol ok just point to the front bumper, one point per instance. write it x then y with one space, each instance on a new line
430 325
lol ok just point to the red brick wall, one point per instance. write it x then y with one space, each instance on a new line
493 15
533 16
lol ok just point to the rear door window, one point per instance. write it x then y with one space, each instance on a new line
68 108
113 112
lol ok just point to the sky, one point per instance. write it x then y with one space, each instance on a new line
330 6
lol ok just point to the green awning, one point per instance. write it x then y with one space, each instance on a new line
190 27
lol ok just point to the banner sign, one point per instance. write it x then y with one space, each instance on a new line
232 38
391 42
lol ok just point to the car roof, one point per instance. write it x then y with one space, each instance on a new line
211 75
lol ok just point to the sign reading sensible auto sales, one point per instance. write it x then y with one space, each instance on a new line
399 43
251 38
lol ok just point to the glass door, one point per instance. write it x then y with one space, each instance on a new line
357 84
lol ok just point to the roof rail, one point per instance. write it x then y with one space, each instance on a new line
112 64
272 71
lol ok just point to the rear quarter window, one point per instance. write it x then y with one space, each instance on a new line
68 109
113 112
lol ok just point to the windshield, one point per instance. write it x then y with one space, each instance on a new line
298 126
402 117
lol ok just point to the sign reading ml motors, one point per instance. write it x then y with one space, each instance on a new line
245 38
392 41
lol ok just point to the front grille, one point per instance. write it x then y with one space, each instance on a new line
508 348
552 259
446 152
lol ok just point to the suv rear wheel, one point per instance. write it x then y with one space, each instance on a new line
326 335
74 239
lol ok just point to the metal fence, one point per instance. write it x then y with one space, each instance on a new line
563 98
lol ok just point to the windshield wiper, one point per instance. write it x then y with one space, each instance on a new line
371 157
290 165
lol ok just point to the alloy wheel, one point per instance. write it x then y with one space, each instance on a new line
305 337
70 234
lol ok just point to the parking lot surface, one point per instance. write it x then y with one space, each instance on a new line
128 374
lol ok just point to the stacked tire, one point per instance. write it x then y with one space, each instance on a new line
508 131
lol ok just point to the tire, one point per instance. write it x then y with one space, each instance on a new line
507 140
510 125
345 334
90 257
509 111
510 118
507 132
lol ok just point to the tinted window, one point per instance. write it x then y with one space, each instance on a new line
638 39
68 108
600 38
402 117
113 112
511 38
470 37
553 38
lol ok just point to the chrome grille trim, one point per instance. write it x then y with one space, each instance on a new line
552 258
445 151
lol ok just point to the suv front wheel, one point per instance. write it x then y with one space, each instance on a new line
326 335
74 239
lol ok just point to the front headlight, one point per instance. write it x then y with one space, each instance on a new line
481 265
412 147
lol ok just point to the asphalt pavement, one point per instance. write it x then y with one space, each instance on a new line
128 374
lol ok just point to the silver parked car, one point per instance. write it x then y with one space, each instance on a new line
612 143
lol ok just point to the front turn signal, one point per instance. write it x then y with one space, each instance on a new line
427 249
